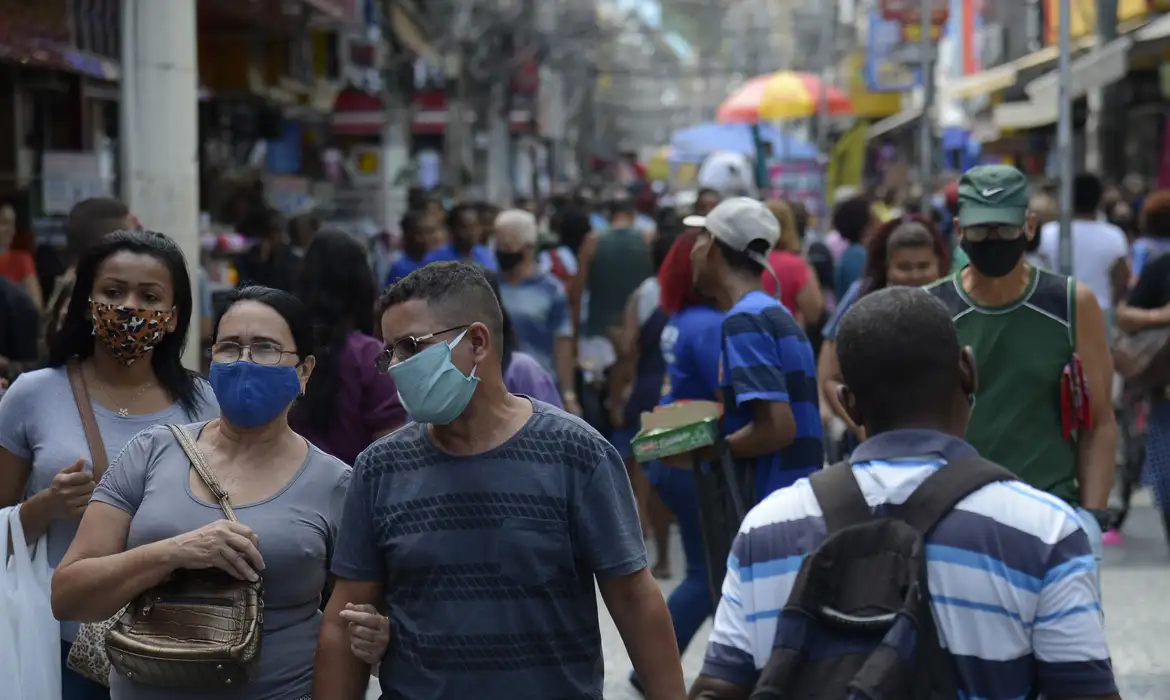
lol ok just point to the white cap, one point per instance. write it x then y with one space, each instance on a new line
739 221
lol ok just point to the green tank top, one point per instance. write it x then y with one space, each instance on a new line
620 263
1021 350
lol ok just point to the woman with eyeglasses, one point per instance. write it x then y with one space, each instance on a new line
122 338
152 515
348 404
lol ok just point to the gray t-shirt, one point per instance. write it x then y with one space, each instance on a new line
39 422
297 528
489 560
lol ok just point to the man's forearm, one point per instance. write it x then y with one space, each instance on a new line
338 673
565 357
642 619
1096 453
757 439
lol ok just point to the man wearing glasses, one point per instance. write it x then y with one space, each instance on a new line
1043 404
481 527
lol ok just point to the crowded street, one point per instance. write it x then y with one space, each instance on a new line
584 350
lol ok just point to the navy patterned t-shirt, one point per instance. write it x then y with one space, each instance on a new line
489 560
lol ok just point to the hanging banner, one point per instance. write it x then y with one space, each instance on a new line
883 73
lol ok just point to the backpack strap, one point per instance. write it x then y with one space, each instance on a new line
840 497
943 490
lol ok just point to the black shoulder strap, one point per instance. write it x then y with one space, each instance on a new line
943 490
944 290
840 497
1053 295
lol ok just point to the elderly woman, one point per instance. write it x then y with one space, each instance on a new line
152 515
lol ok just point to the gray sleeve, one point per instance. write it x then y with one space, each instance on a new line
124 483
357 556
608 530
337 510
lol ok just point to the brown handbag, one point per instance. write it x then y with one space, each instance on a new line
1143 358
200 630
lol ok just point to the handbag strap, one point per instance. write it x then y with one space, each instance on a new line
200 463
93 435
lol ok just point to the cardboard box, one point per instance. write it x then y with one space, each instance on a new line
677 428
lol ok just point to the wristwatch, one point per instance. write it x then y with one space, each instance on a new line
1103 517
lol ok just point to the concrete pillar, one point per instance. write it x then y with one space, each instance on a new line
160 129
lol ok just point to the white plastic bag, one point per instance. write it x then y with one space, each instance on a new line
30 637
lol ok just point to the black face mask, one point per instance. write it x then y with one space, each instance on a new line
995 257
509 260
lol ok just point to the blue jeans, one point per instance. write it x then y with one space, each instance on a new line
75 686
690 604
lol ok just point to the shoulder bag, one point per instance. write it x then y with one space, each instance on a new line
87 655
200 630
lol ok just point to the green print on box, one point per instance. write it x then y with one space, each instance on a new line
676 429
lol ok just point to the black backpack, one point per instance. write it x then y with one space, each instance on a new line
858 623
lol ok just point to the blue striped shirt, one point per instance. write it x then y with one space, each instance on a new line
767 357
1010 570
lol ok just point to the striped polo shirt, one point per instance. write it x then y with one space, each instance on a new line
767 357
1010 571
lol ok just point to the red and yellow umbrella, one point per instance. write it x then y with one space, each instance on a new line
780 96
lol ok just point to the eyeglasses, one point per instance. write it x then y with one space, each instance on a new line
406 348
262 353
1001 232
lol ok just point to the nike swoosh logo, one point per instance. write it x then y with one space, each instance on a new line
992 193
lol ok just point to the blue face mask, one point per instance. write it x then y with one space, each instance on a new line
252 395
431 387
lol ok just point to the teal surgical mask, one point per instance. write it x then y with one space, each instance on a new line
431 387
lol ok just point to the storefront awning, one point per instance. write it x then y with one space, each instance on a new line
1003 76
1025 114
898 121
1154 31
1098 68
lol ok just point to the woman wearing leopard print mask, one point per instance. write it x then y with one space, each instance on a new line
123 337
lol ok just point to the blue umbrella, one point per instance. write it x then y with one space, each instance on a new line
693 144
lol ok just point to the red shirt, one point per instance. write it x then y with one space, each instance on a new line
17 265
793 273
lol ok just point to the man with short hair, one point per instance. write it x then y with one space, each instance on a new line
767 371
1100 249
1044 408
466 244
536 302
482 527
1009 572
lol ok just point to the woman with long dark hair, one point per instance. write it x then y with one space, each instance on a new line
348 404
908 251
122 339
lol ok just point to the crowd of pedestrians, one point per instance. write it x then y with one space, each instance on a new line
432 470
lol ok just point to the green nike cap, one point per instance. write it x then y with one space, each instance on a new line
993 194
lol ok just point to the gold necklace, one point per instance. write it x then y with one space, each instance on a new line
124 411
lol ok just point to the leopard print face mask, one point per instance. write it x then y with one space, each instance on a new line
129 334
